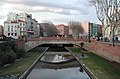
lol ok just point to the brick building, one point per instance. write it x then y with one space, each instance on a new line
63 30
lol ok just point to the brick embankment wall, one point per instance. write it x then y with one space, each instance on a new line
105 50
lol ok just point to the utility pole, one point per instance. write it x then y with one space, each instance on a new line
89 33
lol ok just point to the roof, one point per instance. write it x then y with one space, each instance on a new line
20 20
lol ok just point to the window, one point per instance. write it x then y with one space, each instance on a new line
11 28
8 28
20 29
8 34
15 28
11 34
15 34
23 24
20 24
23 29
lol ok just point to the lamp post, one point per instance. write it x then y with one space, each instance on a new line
89 34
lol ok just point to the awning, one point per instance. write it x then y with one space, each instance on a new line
30 32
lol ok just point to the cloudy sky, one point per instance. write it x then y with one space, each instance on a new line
56 11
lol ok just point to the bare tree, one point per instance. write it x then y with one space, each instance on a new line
111 13
49 29
76 28
100 13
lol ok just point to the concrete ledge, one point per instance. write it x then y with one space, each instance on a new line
27 72
91 75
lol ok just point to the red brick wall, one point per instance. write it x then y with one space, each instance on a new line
105 50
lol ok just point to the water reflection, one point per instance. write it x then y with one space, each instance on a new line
69 70
56 57
67 73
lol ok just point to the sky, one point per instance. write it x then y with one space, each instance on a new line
56 11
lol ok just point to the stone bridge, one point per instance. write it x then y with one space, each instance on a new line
34 42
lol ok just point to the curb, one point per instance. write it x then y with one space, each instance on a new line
27 72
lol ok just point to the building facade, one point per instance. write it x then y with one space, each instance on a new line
1 30
91 29
20 25
63 30
85 26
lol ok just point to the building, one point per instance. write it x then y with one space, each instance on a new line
63 30
1 30
91 29
117 28
96 29
20 25
86 26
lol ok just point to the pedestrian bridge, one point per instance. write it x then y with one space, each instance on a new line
34 42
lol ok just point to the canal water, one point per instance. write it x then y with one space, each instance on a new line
57 63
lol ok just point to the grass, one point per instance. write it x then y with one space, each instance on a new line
102 68
22 64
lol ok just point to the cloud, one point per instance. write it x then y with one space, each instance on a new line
47 9
2 17
48 6
83 3
26 8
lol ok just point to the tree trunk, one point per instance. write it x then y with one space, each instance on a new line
111 34
103 31
113 37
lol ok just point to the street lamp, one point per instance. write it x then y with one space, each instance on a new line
89 34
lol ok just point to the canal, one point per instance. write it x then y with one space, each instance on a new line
57 63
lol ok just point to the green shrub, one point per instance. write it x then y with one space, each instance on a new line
7 56
19 52
9 52
3 57
11 56
1 64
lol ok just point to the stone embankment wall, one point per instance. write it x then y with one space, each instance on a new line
105 50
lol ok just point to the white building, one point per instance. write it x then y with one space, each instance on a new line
19 25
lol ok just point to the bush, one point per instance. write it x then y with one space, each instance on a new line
9 52
1 64
11 56
7 57
3 57
19 52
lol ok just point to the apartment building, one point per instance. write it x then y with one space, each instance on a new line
20 25
91 29
63 30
